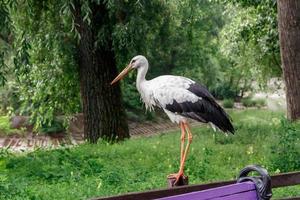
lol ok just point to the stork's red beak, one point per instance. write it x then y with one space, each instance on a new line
122 74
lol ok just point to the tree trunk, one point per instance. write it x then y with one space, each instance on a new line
104 115
289 33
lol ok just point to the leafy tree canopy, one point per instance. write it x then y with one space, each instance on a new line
226 45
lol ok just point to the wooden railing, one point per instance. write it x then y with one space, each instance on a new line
279 180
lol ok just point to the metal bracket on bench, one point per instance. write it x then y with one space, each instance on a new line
262 183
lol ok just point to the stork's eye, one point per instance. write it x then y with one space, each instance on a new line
133 61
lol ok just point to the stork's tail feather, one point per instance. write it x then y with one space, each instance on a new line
225 124
209 110
221 120
217 116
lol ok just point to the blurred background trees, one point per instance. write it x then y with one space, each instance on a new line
49 50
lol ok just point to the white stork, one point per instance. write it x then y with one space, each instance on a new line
180 98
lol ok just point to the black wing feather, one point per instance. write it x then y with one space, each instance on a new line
204 110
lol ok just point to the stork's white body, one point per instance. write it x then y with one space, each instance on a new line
163 90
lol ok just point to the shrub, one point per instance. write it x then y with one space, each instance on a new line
55 127
9 98
285 153
228 103
224 91
260 102
6 129
248 102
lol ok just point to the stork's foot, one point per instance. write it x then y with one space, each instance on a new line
175 175
179 177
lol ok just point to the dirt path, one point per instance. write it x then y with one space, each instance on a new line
50 141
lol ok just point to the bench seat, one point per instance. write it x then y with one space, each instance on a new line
238 191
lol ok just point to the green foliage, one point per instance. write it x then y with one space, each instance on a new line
5 39
55 127
249 102
225 91
225 45
44 62
9 99
263 31
243 66
195 37
249 41
228 103
286 151
142 164
261 102
5 128
131 96
3 69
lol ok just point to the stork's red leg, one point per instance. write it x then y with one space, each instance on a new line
182 141
190 138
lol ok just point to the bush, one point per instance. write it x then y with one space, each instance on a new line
285 153
228 103
55 127
260 102
9 98
224 91
248 102
131 97
6 129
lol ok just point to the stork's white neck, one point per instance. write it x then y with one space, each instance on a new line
141 75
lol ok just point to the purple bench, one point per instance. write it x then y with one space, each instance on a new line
246 188
239 191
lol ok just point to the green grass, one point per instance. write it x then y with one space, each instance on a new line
143 163
5 128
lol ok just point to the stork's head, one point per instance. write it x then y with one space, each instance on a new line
137 62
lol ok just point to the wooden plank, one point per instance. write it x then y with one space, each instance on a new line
155 194
215 193
279 180
286 179
289 198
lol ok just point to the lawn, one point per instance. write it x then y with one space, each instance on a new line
262 137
